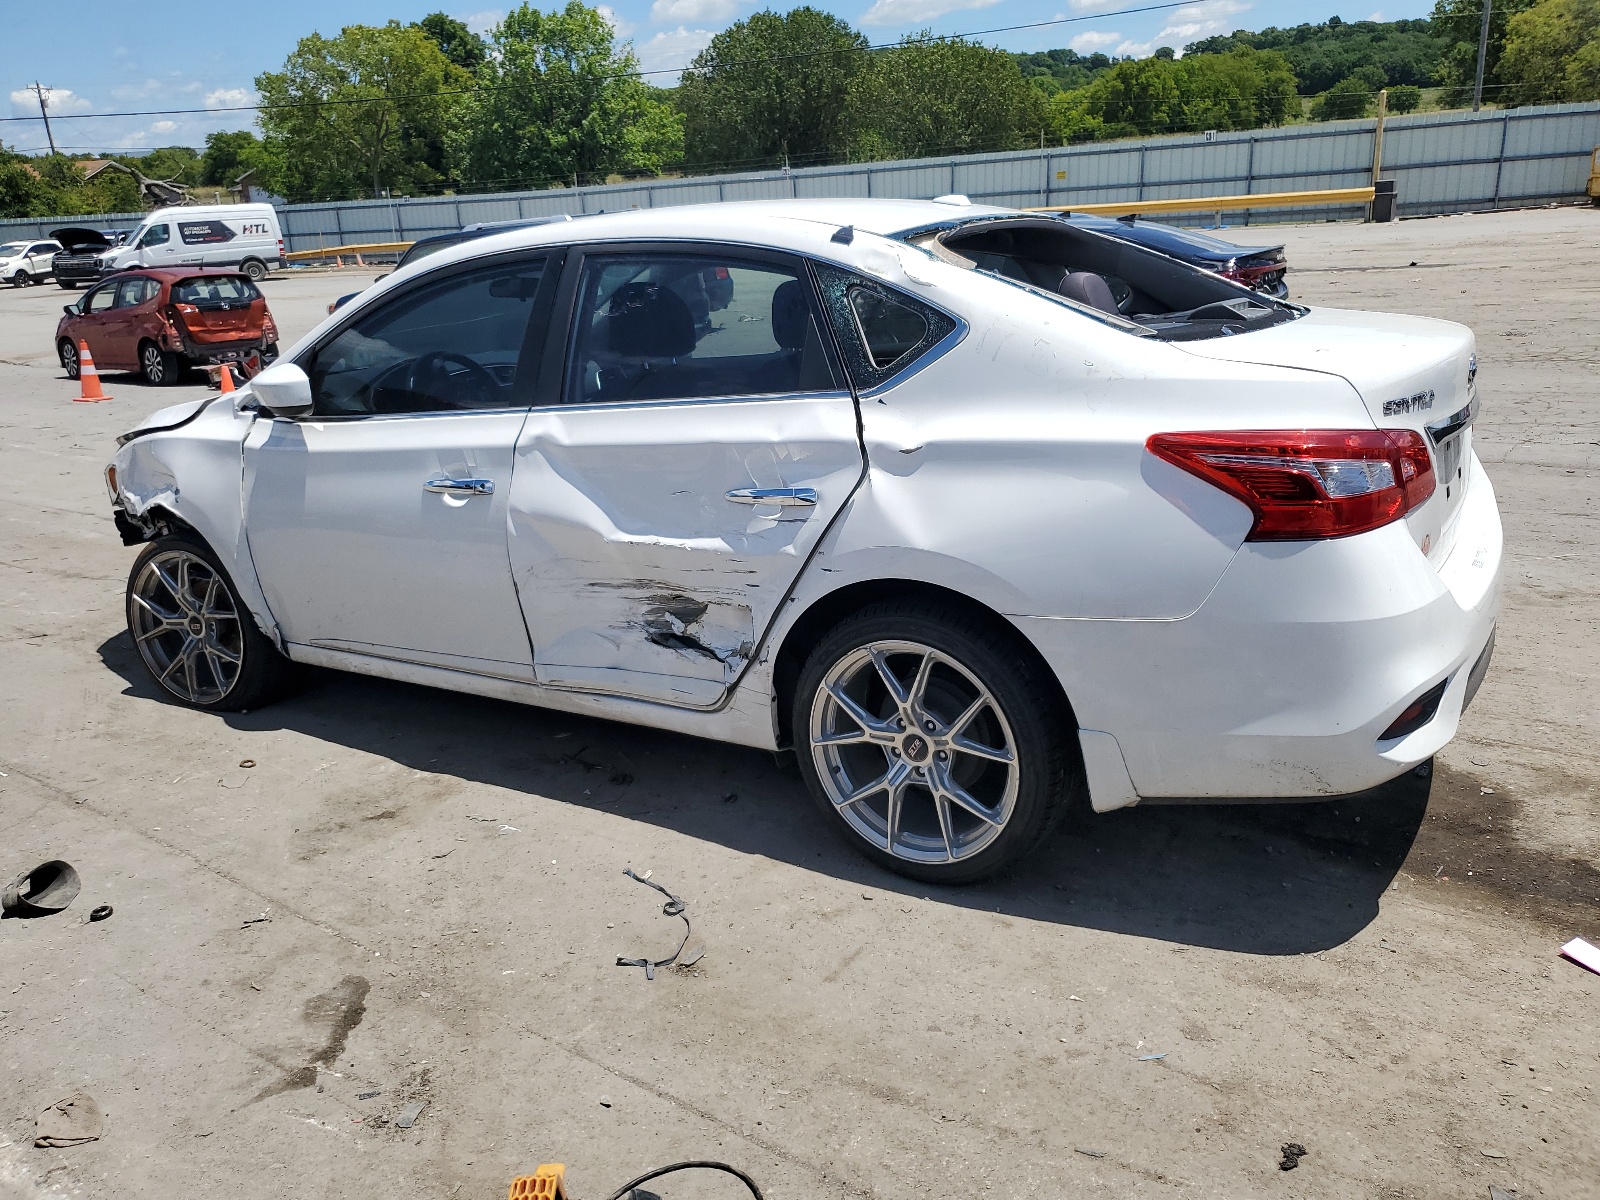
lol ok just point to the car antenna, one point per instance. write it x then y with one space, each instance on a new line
1130 218
844 235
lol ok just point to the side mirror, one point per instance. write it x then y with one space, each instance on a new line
70 309
283 390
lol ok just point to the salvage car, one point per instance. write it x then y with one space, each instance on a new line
80 259
162 321
979 542
1261 268
26 262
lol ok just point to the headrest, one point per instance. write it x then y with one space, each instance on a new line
648 320
1088 288
790 314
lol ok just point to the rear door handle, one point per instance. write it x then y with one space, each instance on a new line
786 496
460 487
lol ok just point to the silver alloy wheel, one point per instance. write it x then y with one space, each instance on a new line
914 752
154 363
69 359
186 626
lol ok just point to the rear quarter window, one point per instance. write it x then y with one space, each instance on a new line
882 332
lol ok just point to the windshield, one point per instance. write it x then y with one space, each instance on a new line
12 249
215 291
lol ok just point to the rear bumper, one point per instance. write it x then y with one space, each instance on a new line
221 352
1285 680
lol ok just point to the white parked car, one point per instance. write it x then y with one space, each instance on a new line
22 263
979 544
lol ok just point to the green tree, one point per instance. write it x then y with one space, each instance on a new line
1320 55
1552 53
1345 100
1458 23
1242 89
558 98
1404 98
355 114
1053 71
930 96
455 41
228 155
772 88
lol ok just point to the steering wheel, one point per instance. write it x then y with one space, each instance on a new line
428 377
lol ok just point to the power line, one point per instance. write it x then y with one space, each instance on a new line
871 47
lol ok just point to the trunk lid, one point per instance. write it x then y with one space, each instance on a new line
1411 373
223 308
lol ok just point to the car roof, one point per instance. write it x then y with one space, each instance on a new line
173 274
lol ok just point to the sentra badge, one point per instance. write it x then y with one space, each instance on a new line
1417 402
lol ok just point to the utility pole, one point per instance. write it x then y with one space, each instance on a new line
1483 52
39 90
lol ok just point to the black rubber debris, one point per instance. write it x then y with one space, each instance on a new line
1293 1152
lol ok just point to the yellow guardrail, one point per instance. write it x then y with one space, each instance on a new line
1359 195
1594 176
349 251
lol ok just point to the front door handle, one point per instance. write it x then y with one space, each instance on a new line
786 496
460 487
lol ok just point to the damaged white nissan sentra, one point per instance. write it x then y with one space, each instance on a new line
981 512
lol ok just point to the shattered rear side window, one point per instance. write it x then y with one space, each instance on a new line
881 331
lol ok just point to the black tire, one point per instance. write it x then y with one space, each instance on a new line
262 674
67 352
66 285
254 268
158 367
21 279
970 652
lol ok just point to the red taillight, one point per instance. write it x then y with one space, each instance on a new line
1304 484
719 273
185 310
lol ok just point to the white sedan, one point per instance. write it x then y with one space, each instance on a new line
982 513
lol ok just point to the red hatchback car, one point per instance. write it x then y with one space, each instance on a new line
161 321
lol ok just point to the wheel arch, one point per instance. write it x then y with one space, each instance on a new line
826 611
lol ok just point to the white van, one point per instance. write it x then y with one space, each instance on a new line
209 235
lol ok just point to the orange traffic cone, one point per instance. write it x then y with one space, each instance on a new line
88 377
225 379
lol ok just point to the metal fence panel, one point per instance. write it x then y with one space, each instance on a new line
1441 162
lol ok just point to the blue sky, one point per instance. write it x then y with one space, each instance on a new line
185 54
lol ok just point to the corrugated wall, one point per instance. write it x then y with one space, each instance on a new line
1441 162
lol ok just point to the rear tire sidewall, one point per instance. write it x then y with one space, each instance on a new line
256 270
1039 724
68 353
264 673
158 367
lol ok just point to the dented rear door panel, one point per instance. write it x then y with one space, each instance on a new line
637 574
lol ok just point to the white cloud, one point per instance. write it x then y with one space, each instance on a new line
1188 24
619 25
666 12
163 127
1135 49
1093 5
915 12
483 22
25 102
1377 16
1095 39
229 97
670 51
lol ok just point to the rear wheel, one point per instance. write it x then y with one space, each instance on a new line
255 268
68 352
941 751
194 635
159 367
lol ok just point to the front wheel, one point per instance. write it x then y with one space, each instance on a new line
21 279
194 635
68 352
66 285
941 751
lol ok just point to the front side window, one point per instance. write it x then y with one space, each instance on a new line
134 290
681 326
448 346
100 301
156 235
43 248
